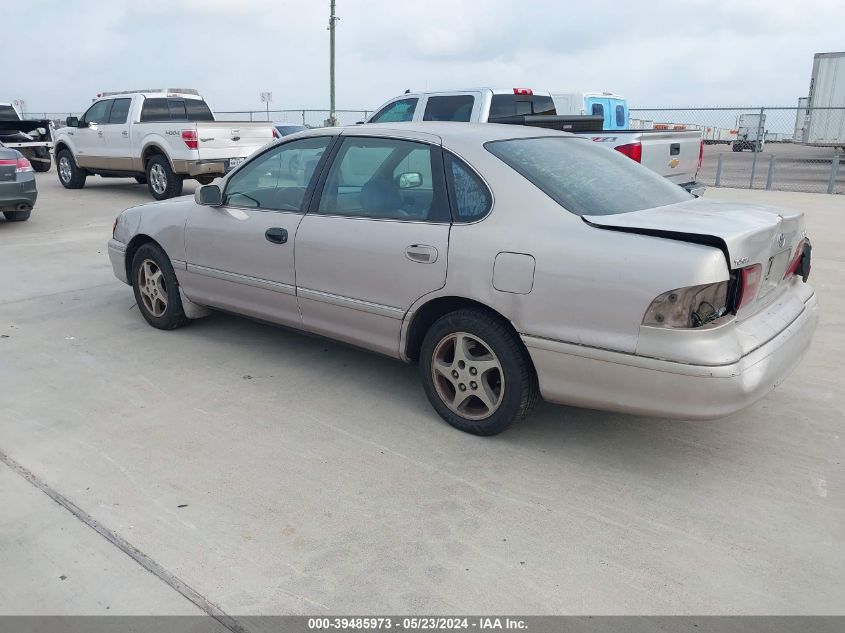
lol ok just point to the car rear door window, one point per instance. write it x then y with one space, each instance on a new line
385 179
597 110
120 111
278 179
396 112
469 196
155 109
449 108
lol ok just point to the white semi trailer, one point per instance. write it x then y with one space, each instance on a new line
824 124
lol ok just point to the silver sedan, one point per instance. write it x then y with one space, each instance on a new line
508 262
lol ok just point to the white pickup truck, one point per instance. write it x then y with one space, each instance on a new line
159 137
674 154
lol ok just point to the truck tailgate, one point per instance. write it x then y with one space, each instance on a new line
671 153
231 139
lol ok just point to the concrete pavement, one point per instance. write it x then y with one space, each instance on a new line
282 474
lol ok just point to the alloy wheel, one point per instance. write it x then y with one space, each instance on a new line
158 179
152 288
467 375
65 171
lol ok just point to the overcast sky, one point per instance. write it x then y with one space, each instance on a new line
655 52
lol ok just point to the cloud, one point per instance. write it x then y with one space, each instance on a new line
660 52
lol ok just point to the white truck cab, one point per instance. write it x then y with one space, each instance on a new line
673 154
159 137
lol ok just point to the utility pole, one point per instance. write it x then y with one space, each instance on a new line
332 19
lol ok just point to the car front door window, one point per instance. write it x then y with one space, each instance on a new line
99 112
278 179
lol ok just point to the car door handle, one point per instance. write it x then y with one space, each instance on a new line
125 133
276 235
421 253
100 134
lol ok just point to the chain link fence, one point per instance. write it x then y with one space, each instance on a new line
779 148
309 118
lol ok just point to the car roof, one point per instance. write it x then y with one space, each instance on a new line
446 131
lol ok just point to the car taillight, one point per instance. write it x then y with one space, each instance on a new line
749 283
276 133
800 264
523 91
700 156
689 307
20 164
634 151
190 138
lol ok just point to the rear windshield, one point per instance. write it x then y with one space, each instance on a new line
510 105
7 113
586 178
160 109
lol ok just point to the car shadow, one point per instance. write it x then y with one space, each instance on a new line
631 443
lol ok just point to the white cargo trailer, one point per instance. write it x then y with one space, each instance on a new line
801 119
751 133
826 127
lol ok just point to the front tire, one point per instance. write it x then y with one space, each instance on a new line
156 288
70 175
161 180
476 372
17 216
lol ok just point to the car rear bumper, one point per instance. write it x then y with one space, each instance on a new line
20 193
209 167
603 379
117 256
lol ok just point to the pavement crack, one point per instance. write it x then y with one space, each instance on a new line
127 548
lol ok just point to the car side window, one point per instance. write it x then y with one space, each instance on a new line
471 199
598 109
398 111
155 109
120 111
277 179
385 179
449 108
99 112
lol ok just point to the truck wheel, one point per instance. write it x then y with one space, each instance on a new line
161 180
476 372
17 216
41 166
141 180
71 176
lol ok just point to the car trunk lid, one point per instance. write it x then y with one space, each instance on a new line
747 234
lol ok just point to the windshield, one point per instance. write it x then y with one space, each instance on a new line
586 178
7 113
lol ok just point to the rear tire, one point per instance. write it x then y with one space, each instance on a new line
161 180
476 372
17 216
70 175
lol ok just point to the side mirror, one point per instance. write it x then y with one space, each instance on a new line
209 196
72 121
410 180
